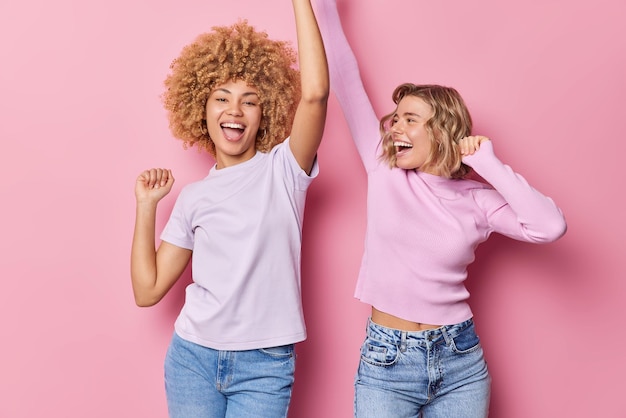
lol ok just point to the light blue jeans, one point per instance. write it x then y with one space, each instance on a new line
204 383
439 373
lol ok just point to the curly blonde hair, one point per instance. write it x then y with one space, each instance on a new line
232 53
449 123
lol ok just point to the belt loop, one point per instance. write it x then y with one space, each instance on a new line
446 336
403 341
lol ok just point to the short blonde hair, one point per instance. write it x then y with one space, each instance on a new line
449 123
232 53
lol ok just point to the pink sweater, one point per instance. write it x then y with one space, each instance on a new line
422 230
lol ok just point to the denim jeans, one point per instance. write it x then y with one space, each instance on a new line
438 373
204 383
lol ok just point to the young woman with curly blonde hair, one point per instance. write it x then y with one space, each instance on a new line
421 356
234 92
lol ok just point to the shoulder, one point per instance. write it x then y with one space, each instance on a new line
284 160
190 190
281 148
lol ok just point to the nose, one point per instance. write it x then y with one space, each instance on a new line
396 127
234 109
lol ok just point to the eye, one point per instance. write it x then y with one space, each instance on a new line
220 99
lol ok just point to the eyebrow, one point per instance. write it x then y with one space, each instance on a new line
249 93
405 114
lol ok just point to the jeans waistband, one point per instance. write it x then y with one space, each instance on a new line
399 337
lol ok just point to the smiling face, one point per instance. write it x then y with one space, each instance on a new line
233 115
410 137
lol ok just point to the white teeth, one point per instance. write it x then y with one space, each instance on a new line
233 125
402 144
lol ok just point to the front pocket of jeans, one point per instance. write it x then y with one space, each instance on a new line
379 353
466 342
283 351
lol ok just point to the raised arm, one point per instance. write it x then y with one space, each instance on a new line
310 118
153 272
346 83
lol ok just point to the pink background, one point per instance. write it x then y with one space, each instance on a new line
81 117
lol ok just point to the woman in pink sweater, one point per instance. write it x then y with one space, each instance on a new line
425 218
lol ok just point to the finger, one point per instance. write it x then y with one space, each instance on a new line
144 177
155 177
151 175
165 178
170 178
464 145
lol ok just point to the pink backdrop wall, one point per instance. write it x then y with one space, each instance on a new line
80 117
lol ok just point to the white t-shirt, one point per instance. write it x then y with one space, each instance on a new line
244 225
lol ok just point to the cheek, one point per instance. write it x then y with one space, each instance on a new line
210 113
258 116
422 140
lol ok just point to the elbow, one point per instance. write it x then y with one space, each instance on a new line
551 231
317 94
146 299
143 303
317 98
558 230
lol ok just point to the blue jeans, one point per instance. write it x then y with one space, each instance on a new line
204 383
439 373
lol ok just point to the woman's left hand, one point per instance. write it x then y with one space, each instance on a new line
470 144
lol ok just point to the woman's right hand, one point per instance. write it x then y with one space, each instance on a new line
153 184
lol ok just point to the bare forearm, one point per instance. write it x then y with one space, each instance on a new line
143 253
311 54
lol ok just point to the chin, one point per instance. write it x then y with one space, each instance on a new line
405 166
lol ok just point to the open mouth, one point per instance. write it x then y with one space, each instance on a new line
402 147
232 131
